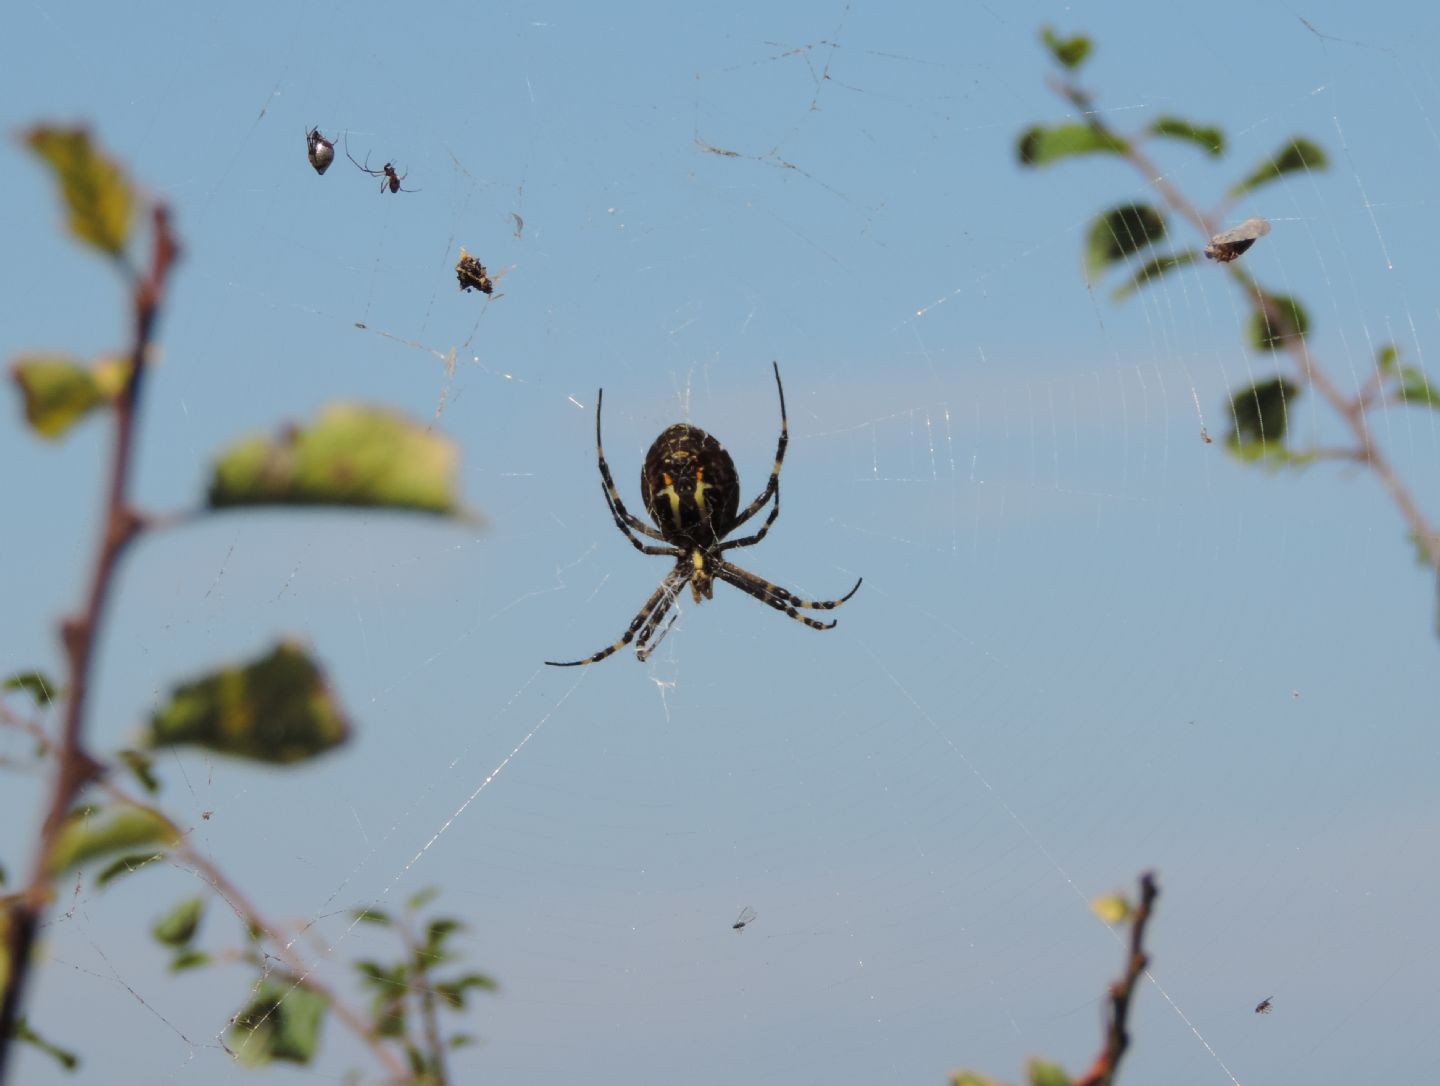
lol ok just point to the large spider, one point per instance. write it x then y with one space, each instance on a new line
692 494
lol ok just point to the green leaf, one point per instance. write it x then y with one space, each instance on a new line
1119 232
88 833
1415 387
1290 321
35 683
1154 269
126 865
422 897
371 916
276 709
142 766
1070 52
438 931
352 456
1298 154
462 1040
177 927
1260 415
1209 138
281 1022
973 1078
64 1057
97 196
189 959
58 391
1045 1073
1040 146
3 877
1386 357
453 991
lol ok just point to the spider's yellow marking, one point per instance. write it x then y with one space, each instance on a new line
669 492
700 487
702 584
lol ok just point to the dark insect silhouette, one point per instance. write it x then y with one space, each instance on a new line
692 493
1263 1007
389 179
746 917
471 274
1228 246
321 151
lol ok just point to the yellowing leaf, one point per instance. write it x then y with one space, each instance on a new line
353 455
89 833
1112 909
58 392
97 196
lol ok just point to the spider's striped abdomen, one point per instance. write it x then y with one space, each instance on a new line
690 487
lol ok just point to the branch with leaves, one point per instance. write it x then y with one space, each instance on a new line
1131 235
1113 910
277 708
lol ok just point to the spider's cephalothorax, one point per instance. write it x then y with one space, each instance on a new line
320 151
692 494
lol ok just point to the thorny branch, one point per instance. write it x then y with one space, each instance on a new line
1350 409
1117 1037
75 768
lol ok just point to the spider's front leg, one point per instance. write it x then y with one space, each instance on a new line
772 488
624 519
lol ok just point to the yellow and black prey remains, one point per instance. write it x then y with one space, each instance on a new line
692 493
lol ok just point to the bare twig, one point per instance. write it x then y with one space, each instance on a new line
1350 409
1117 1037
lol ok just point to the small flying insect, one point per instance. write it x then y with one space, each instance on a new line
389 179
1229 245
1263 1007
471 274
320 150
746 917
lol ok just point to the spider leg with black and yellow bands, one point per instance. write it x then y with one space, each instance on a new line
779 598
648 617
624 519
772 487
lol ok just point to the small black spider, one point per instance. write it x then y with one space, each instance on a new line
320 150
692 493
389 179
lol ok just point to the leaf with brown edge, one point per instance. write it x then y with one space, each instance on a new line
277 709
98 199
353 455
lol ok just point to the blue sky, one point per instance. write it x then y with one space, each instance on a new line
1088 643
